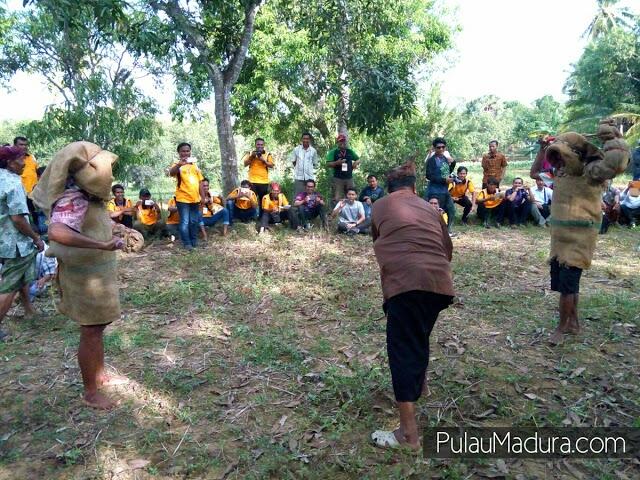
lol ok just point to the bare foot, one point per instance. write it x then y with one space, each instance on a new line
98 401
557 337
404 440
112 380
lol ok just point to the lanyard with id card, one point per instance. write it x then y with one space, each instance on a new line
345 166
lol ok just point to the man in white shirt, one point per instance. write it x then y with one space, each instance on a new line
541 204
305 160
351 217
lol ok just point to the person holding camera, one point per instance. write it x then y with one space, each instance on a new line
259 162
242 203
148 216
458 190
308 205
490 204
438 170
275 209
518 204
189 194
343 160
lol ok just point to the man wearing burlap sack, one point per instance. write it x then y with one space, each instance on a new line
73 192
581 172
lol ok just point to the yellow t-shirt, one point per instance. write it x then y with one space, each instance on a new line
112 207
270 205
243 203
147 216
174 217
445 217
492 201
258 170
188 189
29 176
460 190
212 207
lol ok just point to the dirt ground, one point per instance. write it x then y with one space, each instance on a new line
264 357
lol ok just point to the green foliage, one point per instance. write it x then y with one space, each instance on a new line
317 64
83 61
605 80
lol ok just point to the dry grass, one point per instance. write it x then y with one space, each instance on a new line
265 358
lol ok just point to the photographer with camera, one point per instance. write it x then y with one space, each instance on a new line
259 162
458 190
148 216
518 204
189 194
242 203
438 169
490 204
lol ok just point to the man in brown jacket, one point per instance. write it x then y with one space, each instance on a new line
494 164
413 249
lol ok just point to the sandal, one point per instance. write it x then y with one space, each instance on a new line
385 439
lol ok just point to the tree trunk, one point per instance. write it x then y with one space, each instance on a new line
228 157
343 104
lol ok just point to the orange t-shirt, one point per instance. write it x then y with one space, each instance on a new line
459 190
29 176
258 170
174 217
147 216
493 200
270 205
188 189
243 203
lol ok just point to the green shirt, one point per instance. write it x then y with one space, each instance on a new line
13 201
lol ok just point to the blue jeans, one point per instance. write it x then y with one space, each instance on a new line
240 214
212 220
189 222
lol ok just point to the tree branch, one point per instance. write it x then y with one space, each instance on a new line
232 72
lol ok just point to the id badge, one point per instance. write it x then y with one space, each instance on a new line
205 210
345 167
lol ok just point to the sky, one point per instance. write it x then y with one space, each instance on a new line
514 49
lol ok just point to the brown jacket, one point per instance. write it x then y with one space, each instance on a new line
412 245
493 166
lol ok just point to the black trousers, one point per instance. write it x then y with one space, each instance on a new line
277 217
465 203
518 214
410 319
485 213
261 189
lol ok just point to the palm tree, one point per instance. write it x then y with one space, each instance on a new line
609 16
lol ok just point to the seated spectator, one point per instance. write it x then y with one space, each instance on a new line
351 217
213 210
433 201
517 203
275 209
610 207
46 268
370 194
541 197
308 205
120 208
459 190
173 219
630 203
242 203
149 217
490 204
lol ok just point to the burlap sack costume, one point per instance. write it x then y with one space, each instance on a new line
133 239
87 277
582 169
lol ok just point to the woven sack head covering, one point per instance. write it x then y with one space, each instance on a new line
572 152
87 163
607 130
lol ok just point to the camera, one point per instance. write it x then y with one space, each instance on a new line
457 180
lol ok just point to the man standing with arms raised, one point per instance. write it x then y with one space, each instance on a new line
305 161
413 249
494 164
